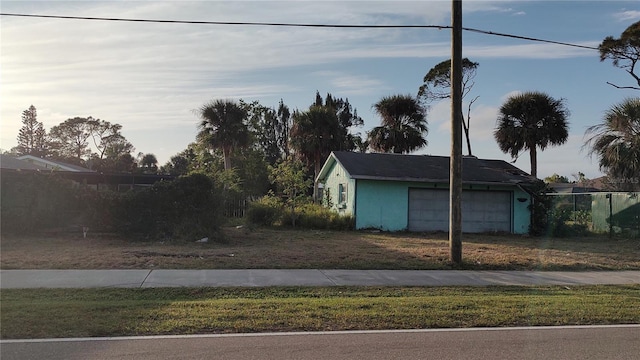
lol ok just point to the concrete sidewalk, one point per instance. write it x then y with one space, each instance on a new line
14 279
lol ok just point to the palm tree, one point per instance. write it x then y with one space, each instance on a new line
314 134
616 141
531 120
223 127
403 128
149 163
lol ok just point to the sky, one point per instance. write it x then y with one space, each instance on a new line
150 77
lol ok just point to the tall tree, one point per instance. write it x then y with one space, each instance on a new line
223 126
437 86
283 127
195 158
32 137
324 127
269 129
263 124
403 128
107 138
347 119
531 120
177 165
314 134
624 52
616 141
149 163
70 139
97 142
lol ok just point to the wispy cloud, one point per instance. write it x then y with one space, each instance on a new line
349 84
627 15
149 77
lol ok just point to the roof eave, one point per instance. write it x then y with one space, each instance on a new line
429 180
324 171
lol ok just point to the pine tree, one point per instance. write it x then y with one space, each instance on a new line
32 137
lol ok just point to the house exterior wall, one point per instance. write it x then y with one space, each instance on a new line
521 212
385 204
336 180
382 205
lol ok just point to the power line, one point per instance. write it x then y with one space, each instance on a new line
352 26
226 22
529 38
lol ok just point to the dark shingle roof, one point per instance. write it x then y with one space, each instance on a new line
426 168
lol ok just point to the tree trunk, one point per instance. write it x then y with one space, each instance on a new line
465 126
534 161
316 172
226 153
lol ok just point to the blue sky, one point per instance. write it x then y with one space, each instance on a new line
149 77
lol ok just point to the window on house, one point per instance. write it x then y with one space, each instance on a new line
342 193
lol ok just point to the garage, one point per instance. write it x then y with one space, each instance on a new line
482 211
396 192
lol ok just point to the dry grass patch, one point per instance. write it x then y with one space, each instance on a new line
291 249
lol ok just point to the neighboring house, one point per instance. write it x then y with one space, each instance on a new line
394 192
53 164
8 162
573 188
12 166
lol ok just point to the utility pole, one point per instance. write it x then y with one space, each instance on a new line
455 171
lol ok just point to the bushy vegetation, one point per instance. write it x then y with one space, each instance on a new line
315 216
187 208
540 208
565 222
266 211
271 211
549 218
34 202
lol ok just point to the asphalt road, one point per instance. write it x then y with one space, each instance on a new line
580 343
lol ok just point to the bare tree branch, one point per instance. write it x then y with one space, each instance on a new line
623 87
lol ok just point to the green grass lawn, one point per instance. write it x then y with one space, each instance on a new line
44 313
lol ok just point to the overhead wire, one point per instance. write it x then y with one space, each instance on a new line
277 24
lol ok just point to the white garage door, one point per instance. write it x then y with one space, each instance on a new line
482 211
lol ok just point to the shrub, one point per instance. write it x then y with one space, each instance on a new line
34 201
185 209
557 223
564 222
315 216
266 211
540 208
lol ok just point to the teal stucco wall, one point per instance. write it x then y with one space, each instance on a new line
521 212
382 205
385 204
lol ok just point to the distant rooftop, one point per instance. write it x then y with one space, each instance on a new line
53 164
13 163
573 188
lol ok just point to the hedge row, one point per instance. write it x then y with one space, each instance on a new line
186 208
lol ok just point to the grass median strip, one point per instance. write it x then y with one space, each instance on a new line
45 313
